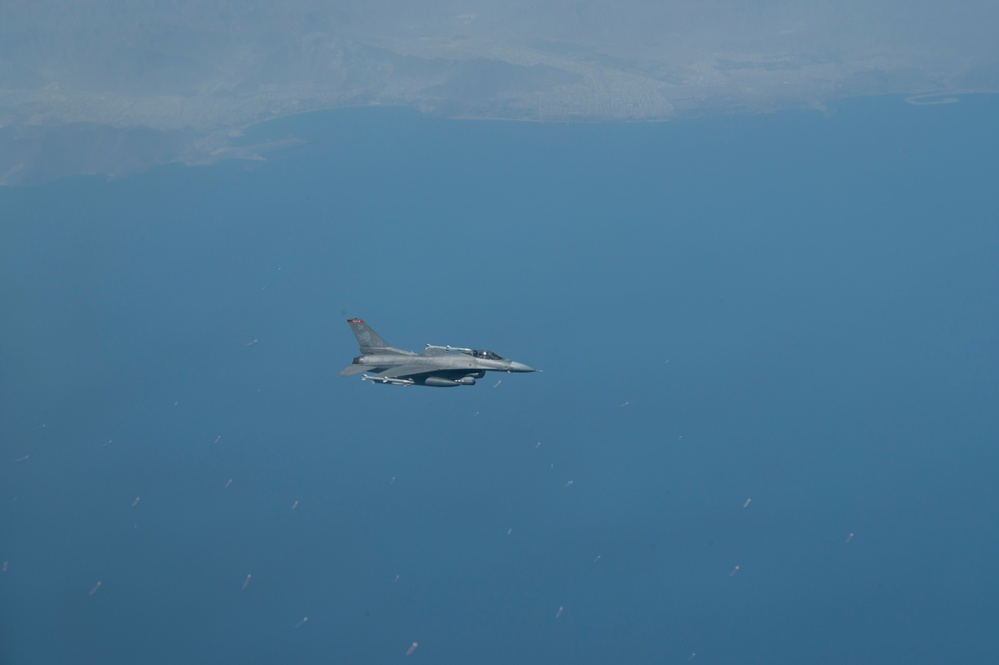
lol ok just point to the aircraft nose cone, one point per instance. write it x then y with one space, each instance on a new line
520 367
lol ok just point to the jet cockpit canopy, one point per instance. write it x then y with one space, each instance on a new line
485 354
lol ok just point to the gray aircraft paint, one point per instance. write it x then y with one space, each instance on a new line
435 366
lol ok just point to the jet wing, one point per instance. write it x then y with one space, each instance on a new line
406 370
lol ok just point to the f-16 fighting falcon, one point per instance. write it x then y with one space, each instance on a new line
435 366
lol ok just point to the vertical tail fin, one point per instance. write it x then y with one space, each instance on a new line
367 338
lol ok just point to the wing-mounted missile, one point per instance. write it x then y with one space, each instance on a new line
441 349
387 379
432 350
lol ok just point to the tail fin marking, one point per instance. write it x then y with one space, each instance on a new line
369 340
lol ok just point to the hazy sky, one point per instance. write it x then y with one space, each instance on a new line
108 87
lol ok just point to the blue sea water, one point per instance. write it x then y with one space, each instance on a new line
765 431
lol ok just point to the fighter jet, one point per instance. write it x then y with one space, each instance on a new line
435 366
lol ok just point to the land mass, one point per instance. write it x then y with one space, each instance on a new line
94 88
